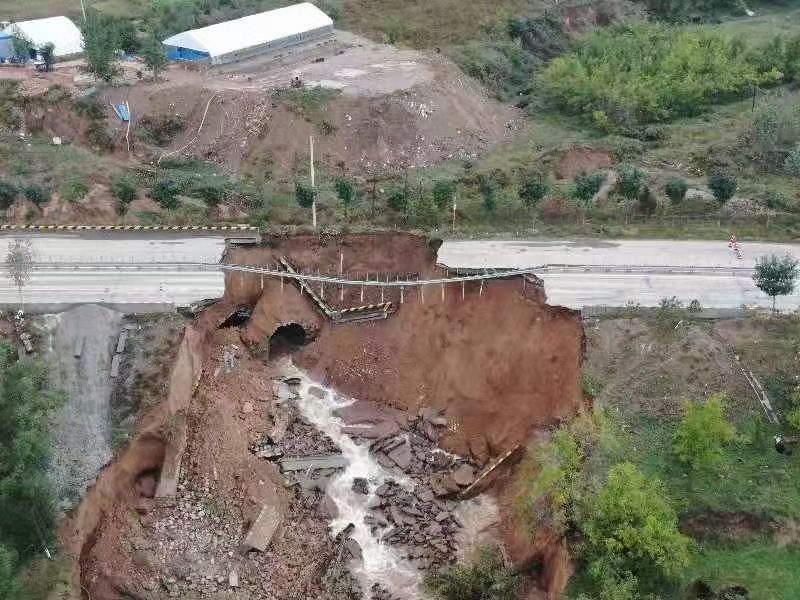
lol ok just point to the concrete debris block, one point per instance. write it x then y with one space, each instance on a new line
57 141
263 529
233 579
230 353
443 485
442 516
434 416
479 448
385 489
269 452
327 508
401 456
354 549
327 461
464 475
281 391
360 485
384 461
373 431
281 419
123 338
77 349
115 361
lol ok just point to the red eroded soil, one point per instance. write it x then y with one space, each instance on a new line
500 361
583 160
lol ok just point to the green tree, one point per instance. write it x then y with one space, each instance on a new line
676 189
397 199
722 184
22 45
426 214
486 579
9 585
443 193
631 181
488 190
127 37
165 191
124 188
533 189
8 194
630 528
587 185
152 51
346 193
702 433
36 194
775 275
99 46
48 56
304 194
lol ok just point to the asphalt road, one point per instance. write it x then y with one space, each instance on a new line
58 287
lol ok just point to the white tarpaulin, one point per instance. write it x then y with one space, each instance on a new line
59 31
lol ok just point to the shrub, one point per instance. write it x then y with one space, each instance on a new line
124 189
304 194
648 203
488 189
722 184
211 190
8 193
99 136
647 73
35 194
165 191
631 181
443 193
345 192
792 162
676 189
74 188
533 189
486 579
587 185
397 200
702 433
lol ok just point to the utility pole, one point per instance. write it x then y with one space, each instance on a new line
313 188
83 10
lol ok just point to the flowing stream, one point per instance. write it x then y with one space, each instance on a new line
382 563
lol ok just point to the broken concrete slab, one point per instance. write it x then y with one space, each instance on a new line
123 337
115 362
303 463
281 391
464 475
401 455
263 529
373 431
281 419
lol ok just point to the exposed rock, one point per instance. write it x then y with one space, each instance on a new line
443 484
360 485
354 549
464 475
401 456
247 408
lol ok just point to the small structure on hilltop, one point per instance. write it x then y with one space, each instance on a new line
60 31
257 34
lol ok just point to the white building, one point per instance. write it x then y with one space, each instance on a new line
250 36
59 31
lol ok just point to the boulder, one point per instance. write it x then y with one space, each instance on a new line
464 475
401 456
360 485
443 484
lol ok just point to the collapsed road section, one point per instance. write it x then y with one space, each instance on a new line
342 477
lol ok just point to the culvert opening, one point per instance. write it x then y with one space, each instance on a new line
287 339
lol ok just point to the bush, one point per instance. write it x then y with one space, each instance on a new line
533 189
165 191
631 181
586 186
702 433
212 191
486 579
304 194
36 194
74 189
488 189
397 200
722 184
99 136
443 193
645 73
124 189
792 162
8 193
676 189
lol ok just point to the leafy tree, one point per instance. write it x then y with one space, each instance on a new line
165 191
630 528
533 189
99 46
702 433
676 189
775 275
124 188
127 37
443 193
722 184
8 193
648 203
587 185
397 200
488 191
22 45
36 194
426 214
486 579
48 56
304 194
19 263
345 191
631 181
152 51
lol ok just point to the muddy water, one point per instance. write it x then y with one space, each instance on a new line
382 563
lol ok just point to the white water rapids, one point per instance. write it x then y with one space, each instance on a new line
382 563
